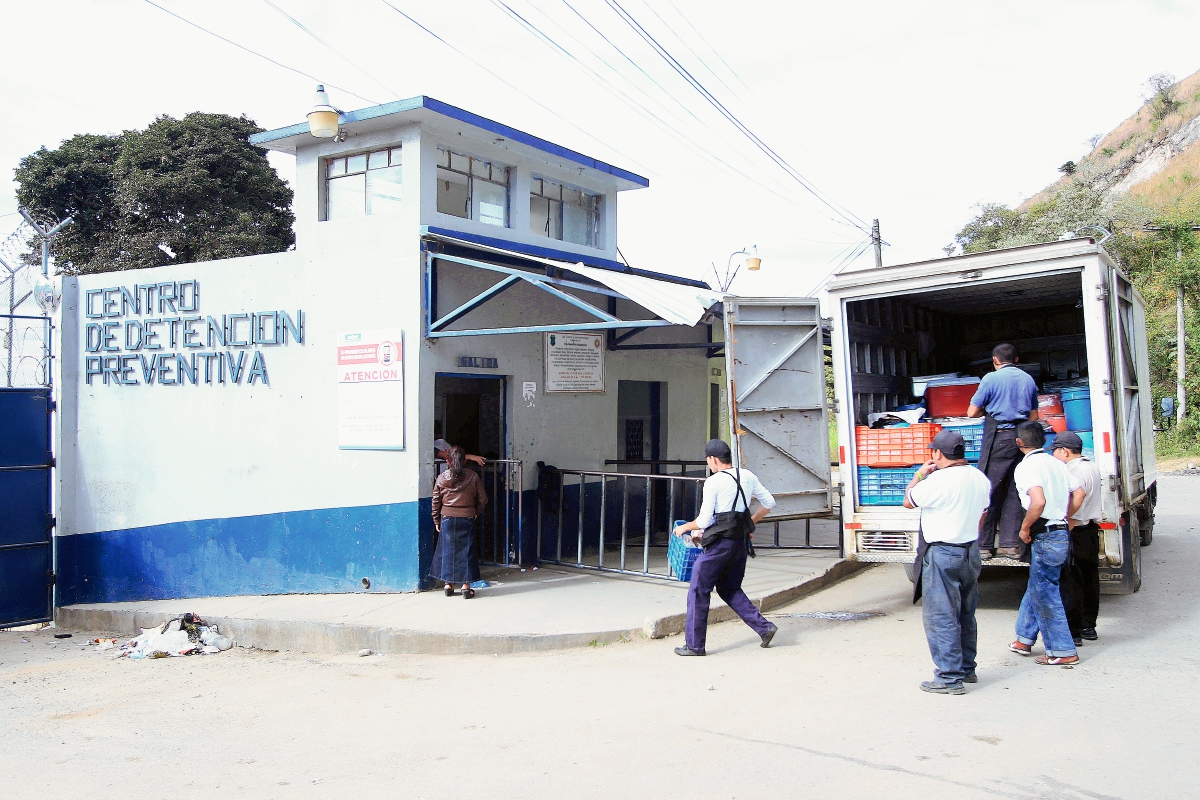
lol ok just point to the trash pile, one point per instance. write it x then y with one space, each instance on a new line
186 635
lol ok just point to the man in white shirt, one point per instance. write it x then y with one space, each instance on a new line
953 497
1049 494
1080 583
722 565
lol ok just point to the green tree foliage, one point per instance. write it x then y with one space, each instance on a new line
195 185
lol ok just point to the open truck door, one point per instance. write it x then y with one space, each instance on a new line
775 366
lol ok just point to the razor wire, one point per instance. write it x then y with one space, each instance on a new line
24 328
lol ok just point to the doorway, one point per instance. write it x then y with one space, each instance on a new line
469 411
641 420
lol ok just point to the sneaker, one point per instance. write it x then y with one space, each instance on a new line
686 651
937 687
1078 640
1089 634
985 555
1009 552
1020 648
768 636
972 678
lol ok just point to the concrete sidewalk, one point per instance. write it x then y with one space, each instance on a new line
544 609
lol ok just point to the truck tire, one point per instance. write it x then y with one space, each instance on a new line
910 571
1145 515
1126 578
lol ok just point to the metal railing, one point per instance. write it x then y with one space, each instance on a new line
658 466
499 529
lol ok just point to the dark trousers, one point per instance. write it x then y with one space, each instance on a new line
722 566
950 592
1004 512
1080 581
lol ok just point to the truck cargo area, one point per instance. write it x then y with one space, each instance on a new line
954 330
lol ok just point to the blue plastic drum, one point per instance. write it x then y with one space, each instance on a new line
1077 405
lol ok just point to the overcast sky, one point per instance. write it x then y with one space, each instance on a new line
910 112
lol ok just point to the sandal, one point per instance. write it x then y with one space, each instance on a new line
468 593
1020 648
1057 661
449 590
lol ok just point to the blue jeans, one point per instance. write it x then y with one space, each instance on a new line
1041 607
950 592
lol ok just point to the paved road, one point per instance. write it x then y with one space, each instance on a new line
833 711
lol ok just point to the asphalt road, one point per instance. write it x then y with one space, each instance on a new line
832 711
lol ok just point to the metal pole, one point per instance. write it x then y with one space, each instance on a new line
624 519
1181 347
646 534
561 494
878 242
579 532
603 507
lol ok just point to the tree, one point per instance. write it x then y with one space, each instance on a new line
1160 95
195 185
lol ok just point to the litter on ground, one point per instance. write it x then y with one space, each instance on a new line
185 635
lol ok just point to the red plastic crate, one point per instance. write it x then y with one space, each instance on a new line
894 447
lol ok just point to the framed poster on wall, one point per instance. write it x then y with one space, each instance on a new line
370 408
574 362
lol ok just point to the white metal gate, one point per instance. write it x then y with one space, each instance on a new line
774 359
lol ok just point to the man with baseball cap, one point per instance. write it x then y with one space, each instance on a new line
1080 581
953 497
726 539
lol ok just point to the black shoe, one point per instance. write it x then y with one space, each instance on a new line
972 678
1089 634
768 636
686 651
1078 640
449 590
937 687
468 593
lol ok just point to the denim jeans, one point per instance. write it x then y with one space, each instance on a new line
950 588
1041 607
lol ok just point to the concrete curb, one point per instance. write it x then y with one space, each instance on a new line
674 623
328 637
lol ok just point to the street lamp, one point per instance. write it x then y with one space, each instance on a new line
323 119
753 263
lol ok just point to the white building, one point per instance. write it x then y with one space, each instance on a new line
265 424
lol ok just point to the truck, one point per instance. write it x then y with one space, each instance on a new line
1066 306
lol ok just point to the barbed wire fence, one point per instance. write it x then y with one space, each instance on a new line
24 328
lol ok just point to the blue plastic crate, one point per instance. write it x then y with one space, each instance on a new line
681 557
883 486
972 438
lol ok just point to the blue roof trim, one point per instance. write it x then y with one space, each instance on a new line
453 112
559 255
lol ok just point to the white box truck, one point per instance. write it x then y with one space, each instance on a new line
1066 306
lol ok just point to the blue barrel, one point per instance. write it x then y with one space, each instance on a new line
1077 405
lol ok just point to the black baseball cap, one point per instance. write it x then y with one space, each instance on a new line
949 443
718 449
1069 440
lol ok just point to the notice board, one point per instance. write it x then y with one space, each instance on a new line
370 409
574 362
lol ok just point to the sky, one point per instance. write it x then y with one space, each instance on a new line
788 126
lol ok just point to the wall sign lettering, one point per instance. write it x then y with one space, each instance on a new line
154 333
574 362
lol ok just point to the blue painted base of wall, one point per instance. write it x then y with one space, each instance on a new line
322 550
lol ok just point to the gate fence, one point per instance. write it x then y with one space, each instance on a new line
498 531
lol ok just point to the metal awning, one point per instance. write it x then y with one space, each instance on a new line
677 302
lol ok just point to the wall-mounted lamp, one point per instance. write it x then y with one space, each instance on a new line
323 119
753 263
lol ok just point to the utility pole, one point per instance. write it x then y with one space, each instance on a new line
878 242
47 236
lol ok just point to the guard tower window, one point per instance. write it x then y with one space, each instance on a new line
362 184
563 213
472 188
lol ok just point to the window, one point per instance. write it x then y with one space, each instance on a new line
472 188
563 213
366 183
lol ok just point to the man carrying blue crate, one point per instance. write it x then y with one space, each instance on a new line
953 498
726 543
1005 398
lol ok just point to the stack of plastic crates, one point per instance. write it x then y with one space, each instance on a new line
681 555
887 458
972 433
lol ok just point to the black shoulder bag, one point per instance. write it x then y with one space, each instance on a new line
732 524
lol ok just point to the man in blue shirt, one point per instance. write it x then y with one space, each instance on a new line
1005 398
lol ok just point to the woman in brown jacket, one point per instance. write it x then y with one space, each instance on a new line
458 498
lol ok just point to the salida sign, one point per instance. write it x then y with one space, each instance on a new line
153 333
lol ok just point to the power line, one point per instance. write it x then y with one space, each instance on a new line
689 48
313 78
331 48
524 94
710 47
848 216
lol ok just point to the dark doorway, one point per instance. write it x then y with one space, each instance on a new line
641 420
468 411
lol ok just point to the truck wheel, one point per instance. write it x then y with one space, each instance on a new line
910 572
1146 525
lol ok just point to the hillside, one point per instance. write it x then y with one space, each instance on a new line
1141 182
